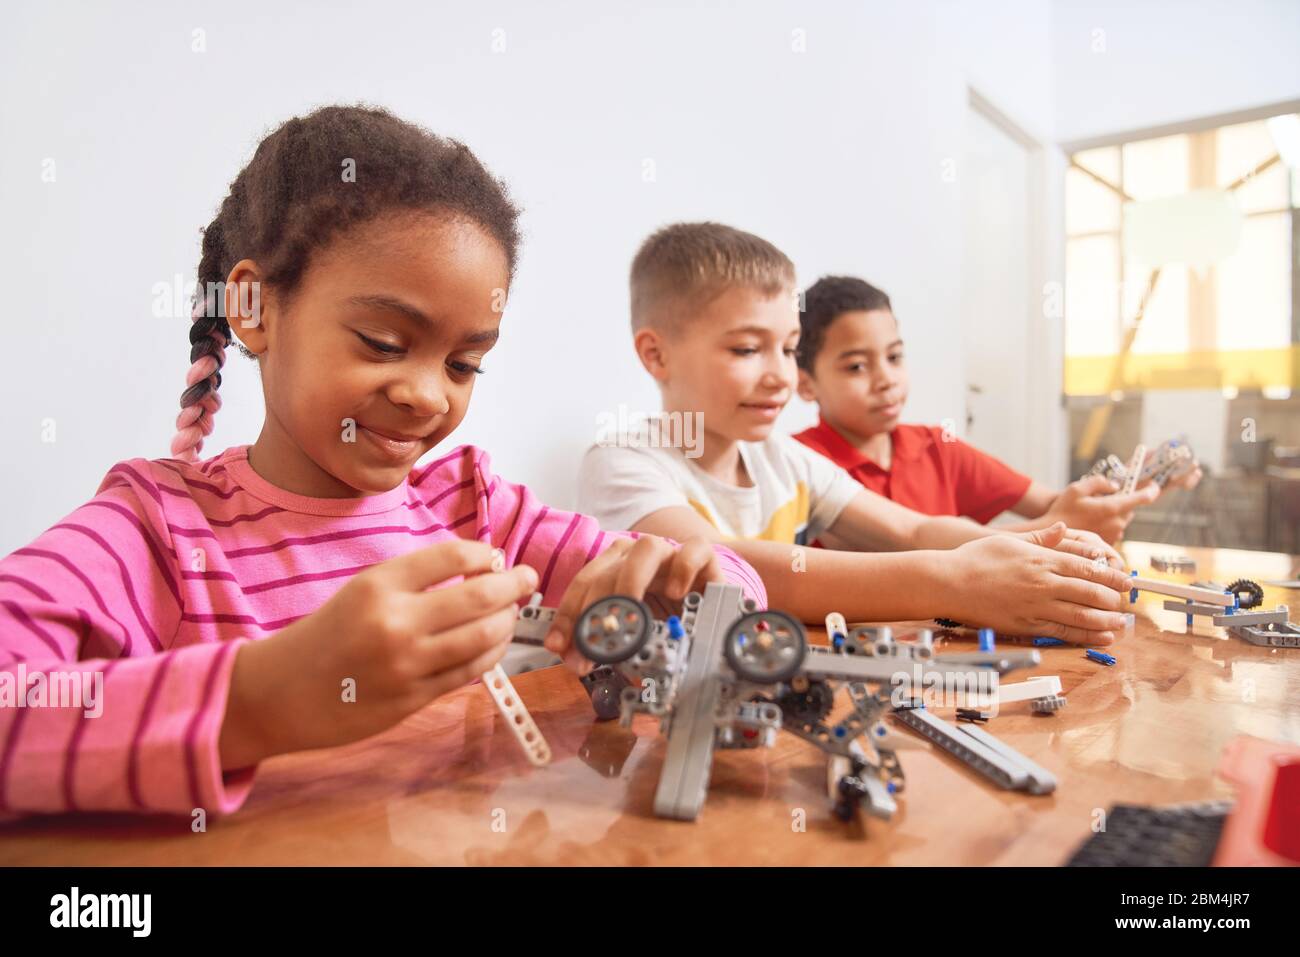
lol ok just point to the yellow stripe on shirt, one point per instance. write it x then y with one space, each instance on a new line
785 522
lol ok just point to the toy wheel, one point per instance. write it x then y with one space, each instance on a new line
765 647
613 629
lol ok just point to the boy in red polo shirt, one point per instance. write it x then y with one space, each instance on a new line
851 364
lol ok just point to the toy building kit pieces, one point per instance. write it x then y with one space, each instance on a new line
517 717
1134 469
1169 460
1205 596
726 675
1183 835
526 652
684 780
1043 693
1223 606
1259 829
980 751
507 699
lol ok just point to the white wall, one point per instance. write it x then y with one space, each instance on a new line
835 154
1168 61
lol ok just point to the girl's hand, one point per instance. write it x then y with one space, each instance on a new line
1024 588
382 647
634 567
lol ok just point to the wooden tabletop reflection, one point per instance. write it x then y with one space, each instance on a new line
449 786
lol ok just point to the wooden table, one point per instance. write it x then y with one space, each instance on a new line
448 786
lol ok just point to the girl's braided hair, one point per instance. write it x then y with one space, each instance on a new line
311 177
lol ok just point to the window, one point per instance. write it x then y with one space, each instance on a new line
1205 222
1180 322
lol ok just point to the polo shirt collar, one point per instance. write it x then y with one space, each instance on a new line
908 443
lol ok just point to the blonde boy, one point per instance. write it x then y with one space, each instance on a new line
715 323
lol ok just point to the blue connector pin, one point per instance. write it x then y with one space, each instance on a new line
986 639
1100 657
675 629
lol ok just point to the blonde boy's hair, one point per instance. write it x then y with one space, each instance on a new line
681 267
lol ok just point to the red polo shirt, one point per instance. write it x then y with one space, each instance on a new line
927 474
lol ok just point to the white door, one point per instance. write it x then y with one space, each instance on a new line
997 306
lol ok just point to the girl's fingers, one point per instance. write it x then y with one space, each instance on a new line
441 609
454 647
589 591
462 674
695 562
575 596
642 565
417 570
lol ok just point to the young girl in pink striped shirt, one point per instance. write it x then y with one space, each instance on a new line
222 605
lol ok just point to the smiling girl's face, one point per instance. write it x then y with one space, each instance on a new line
388 328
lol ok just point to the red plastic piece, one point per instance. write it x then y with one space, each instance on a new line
1264 826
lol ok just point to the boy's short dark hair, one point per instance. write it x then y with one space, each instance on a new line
682 266
827 299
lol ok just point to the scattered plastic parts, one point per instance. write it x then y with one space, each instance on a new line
837 630
1048 705
506 698
1134 469
1173 563
1241 619
1206 596
1249 594
737 676
1037 687
1100 657
518 719
604 685
1139 836
1171 459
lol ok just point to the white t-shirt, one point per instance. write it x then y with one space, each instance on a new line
796 496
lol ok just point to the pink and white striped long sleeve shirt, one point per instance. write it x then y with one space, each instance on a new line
156 581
